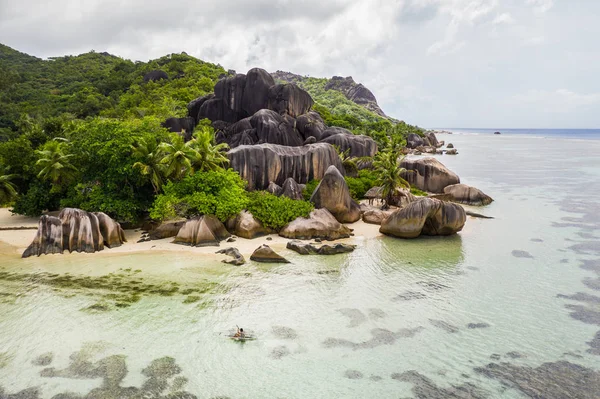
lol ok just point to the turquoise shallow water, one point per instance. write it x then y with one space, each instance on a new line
348 325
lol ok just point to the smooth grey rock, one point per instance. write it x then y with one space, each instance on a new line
262 164
264 254
247 226
202 231
426 216
291 189
333 194
468 195
237 260
319 224
428 174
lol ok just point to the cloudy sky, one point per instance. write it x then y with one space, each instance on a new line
435 63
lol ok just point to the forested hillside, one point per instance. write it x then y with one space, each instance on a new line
87 131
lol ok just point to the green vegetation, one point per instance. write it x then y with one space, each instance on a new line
310 188
417 192
221 193
388 170
337 110
275 212
85 131
8 191
358 186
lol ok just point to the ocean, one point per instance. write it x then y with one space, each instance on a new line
585 134
507 308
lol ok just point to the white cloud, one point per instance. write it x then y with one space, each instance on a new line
558 101
504 18
541 6
429 62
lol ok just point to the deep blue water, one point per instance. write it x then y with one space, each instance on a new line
588 134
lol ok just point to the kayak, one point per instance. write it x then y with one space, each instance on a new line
242 339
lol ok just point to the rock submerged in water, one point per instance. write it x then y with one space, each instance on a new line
75 230
428 174
467 195
263 164
426 216
304 248
245 225
202 231
333 194
237 260
264 254
319 224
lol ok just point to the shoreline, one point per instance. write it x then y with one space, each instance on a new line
14 242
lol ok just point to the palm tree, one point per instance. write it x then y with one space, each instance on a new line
54 163
209 156
178 157
351 164
387 165
8 191
147 150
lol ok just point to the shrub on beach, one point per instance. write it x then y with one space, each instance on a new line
275 212
221 193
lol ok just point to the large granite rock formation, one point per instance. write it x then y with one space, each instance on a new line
75 230
240 96
166 230
195 105
155 75
264 254
319 224
264 127
81 231
426 216
333 194
274 128
202 231
246 226
358 145
48 239
433 141
265 163
289 99
256 90
468 195
184 126
414 140
111 231
355 92
311 125
428 174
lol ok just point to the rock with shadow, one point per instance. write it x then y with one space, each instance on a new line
319 224
425 216
237 258
264 254
333 194
202 231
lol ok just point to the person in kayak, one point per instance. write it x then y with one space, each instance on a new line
240 333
